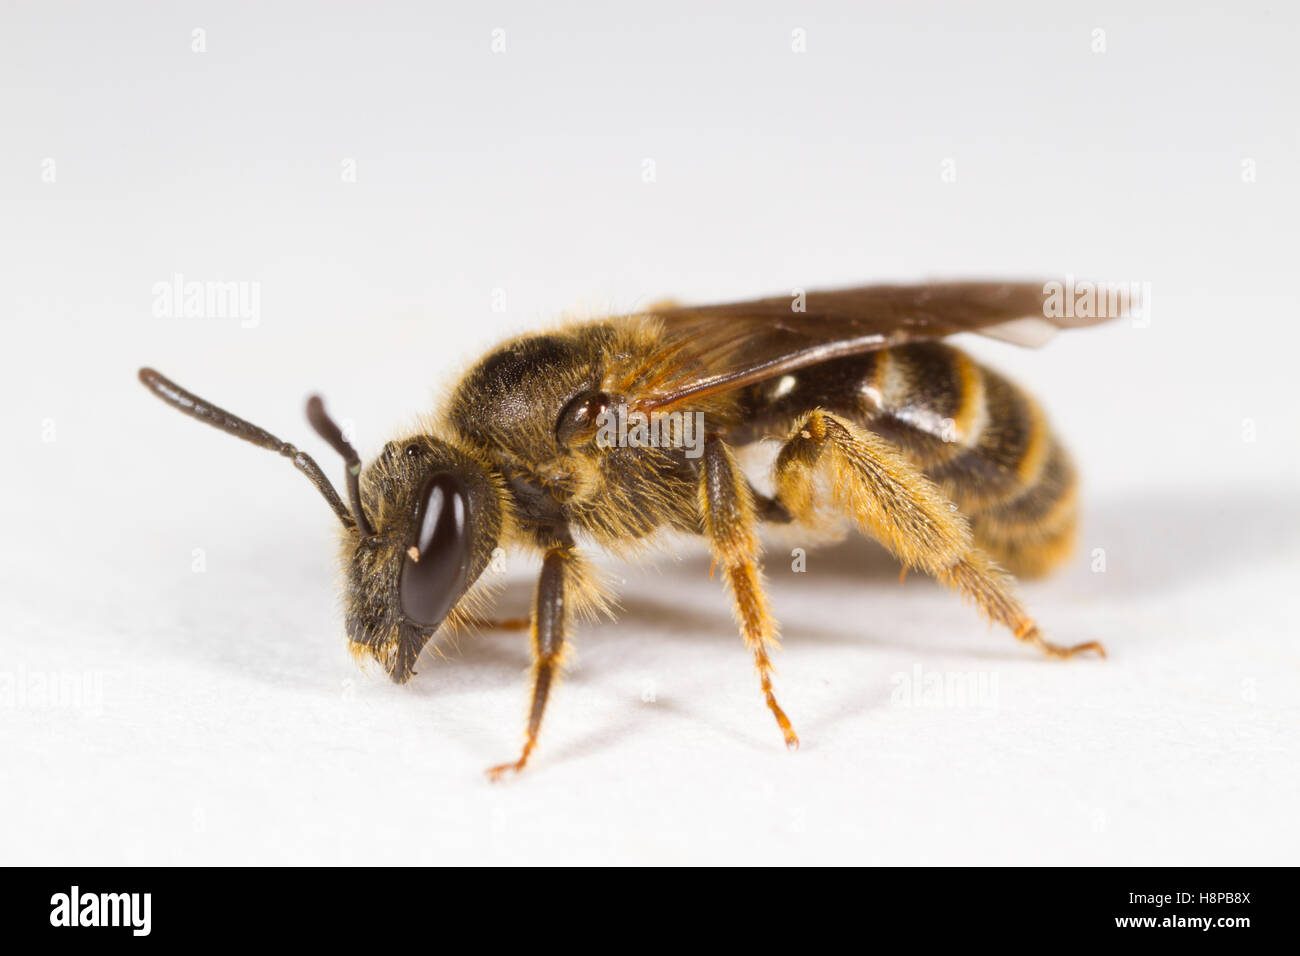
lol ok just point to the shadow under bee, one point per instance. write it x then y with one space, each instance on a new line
1153 543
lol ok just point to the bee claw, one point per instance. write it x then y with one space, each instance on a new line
1028 632
497 773
1060 652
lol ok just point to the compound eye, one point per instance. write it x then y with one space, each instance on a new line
436 565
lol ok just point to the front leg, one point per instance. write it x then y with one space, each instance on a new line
730 521
551 613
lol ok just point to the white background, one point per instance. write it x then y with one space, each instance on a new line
222 718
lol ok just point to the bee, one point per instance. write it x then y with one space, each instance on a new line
544 443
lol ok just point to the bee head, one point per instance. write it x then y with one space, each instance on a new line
419 527
431 519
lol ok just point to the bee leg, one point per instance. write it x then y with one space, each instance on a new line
893 502
550 615
730 523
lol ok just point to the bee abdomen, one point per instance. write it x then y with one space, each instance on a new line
1033 531
999 461
996 455
978 436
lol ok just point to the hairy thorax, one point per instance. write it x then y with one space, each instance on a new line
509 404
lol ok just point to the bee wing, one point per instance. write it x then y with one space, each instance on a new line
720 347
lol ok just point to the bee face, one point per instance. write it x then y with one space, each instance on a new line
436 513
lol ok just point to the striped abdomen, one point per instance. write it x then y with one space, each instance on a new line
979 437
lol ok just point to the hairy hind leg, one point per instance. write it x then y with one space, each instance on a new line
894 503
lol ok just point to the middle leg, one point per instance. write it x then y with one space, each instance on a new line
729 514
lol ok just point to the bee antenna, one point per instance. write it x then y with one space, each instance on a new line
190 404
331 432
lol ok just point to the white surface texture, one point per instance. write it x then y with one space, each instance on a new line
179 589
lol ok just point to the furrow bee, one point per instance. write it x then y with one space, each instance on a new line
548 440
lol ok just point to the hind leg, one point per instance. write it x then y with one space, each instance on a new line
891 501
